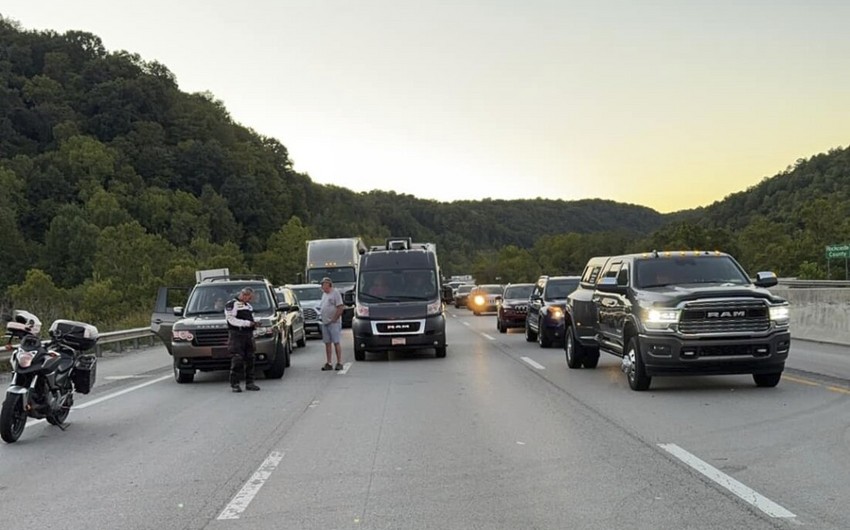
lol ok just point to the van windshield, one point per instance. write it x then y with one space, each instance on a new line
398 285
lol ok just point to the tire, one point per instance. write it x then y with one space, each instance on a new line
359 354
288 351
278 366
13 419
476 313
183 376
530 336
303 340
767 380
60 418
501 327
543 338
591 358
573 350
638 380
440 351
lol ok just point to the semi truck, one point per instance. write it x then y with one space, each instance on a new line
339 260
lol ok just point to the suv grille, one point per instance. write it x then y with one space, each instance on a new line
210 337
311 314
726 316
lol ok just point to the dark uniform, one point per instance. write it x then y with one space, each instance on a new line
240 344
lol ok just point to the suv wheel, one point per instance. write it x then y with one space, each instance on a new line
767 380
543 338
278 365
530 336
182 376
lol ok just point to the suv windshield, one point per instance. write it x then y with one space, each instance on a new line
490 289
407 284
559 289
209 298
519 291
658 272
308 293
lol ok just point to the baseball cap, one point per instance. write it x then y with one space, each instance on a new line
327 280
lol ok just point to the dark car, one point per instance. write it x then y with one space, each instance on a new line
546 307
462 294
513 307
484 298
294 315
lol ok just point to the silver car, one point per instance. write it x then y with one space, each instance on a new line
309 294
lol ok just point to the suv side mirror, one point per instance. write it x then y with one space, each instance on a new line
178 311
282 306
766 279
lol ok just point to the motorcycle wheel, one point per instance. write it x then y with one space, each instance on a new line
13 418
59 419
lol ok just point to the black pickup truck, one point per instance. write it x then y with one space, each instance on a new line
678 313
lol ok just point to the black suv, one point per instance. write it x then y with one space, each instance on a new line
195 333
513 306
676 313
545 319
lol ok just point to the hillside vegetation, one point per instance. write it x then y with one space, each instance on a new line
116 182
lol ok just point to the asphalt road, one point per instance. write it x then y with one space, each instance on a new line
499 434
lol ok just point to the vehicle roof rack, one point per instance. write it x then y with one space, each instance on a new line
234 277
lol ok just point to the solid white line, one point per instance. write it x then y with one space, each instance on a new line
242 499
533 363
486 336
344 370
745 493
119 393
465 324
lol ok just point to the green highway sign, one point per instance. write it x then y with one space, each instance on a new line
838 251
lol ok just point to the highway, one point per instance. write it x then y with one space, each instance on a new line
499 434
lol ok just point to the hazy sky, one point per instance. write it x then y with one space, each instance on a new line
671 104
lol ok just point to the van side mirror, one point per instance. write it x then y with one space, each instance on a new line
348 297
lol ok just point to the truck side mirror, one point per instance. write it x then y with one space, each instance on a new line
610 285
766 279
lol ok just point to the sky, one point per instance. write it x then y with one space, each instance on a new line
670 104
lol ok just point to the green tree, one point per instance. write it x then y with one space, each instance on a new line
40 296
286 253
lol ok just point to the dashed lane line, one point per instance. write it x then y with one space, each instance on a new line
533 363
250 489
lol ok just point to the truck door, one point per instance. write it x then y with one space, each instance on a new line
606 310
163 317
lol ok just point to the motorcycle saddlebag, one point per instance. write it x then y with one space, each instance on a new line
84 373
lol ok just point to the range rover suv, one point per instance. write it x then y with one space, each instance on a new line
195 332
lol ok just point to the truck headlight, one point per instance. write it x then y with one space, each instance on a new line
435 308
661 319
780 314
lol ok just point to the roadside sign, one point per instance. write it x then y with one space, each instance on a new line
838 251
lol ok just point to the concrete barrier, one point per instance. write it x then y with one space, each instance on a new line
818 314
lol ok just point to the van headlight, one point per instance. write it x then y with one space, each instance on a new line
434 308
361 310
661 319
780 314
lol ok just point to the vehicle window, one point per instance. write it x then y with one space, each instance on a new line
658 272
558 289
337 274
208 299
623 275
591 273
308 293
407 284
518 291
465 289
612 270
492 289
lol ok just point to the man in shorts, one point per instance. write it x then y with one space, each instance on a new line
330 310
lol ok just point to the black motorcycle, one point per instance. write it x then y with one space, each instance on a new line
46 374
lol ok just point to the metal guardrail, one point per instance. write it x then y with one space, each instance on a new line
115 340
793 283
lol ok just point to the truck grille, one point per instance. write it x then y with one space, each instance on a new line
724 316
310 314
210 337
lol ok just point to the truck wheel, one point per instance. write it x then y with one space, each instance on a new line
359 354
591 358
182 376
638 380
530 336
767 380
573 350
440 351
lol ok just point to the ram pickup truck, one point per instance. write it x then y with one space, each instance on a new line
678 313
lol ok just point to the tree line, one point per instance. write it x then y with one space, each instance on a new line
116 182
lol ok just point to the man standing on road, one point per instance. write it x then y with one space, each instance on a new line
240 343
330 309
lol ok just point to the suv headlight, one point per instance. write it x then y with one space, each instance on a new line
478 300
661 319
181 336
435 308
780 314
263 331
555 313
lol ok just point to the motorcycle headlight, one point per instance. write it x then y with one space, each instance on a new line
24 358
780 314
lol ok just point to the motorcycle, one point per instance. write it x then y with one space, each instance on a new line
45 375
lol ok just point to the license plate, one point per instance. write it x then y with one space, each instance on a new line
399 341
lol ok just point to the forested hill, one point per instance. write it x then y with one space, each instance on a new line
99 147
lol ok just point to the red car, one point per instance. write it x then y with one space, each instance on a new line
514 306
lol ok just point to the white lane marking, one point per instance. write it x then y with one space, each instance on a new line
314 404
119 393
105 398
242 499
486 336
745 493
122 377
344 370
465 323
533 363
